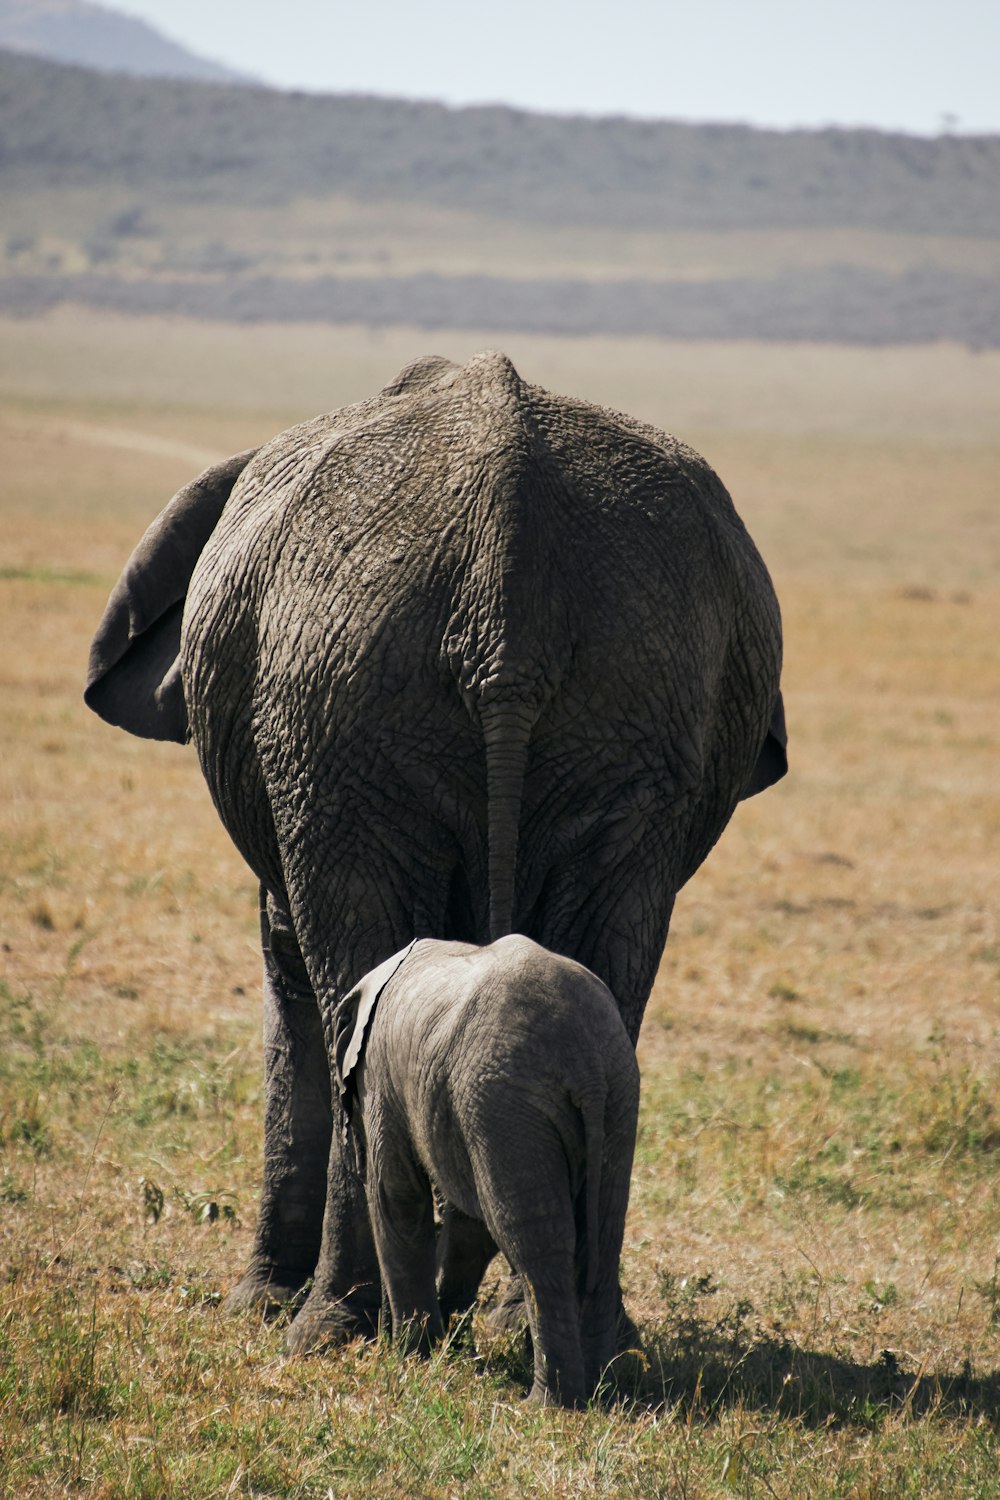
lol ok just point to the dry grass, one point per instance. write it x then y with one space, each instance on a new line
339 236
812 1249
196 382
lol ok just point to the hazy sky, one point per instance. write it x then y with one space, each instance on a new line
897 64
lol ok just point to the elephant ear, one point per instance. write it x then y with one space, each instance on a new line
351 1021
133 679
772 762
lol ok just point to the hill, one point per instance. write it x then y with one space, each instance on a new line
252 203
71 126
74 31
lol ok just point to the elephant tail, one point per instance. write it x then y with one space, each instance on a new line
507 729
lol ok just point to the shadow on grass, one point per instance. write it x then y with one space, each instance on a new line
706 1370
701 1368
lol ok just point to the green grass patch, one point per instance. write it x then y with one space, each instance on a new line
138 1394
52 575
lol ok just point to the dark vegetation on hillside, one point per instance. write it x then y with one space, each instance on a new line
192 151
69 126
868 307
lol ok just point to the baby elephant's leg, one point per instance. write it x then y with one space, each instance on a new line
402 1215
465 1249
533 1220
549 1274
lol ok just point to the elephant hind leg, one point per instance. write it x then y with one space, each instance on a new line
460 921
401 1208
616 927
533 1220
549 1276
465 1249
297 1125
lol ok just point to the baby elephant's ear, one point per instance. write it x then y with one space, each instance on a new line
133 679
351 1020
772 763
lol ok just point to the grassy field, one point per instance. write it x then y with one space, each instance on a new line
108 227
813 1246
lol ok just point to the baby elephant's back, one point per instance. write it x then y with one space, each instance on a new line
544 1031
514 1073
469 1039
556 1098
549 1007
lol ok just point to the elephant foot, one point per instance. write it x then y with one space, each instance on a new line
324 1323
544 1395
627 1340
623 1374
266 1292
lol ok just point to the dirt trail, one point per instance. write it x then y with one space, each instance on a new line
138 442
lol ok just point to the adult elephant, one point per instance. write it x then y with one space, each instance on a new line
462 659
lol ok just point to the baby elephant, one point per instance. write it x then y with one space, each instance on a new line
503 1078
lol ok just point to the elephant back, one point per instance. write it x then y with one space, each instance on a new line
489 631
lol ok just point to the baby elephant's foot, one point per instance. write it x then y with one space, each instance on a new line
510 1314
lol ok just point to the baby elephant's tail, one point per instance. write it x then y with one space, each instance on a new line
610 1109
592 1108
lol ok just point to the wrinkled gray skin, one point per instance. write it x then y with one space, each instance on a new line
503 1077
462 659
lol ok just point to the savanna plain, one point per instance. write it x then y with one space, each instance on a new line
813 1246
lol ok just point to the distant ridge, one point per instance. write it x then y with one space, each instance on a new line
869 308
247 203
94 36
67 126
